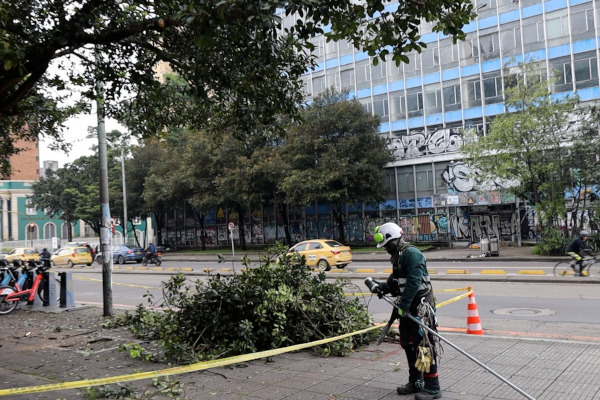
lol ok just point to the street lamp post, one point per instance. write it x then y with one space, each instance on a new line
125 234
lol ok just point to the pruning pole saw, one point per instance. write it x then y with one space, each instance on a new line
370 283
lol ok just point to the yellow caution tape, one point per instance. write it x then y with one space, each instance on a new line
462 296
176 370
453 290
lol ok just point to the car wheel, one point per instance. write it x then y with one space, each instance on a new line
342 266
70 264
89 265
120 260
323 265
99 260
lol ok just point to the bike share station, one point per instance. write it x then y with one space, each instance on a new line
60 294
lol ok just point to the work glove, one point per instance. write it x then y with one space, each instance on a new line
424 359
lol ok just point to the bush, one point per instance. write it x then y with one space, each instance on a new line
273 305
553 243
594 242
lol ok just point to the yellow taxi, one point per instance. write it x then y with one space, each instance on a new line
22 254
323 253
71 256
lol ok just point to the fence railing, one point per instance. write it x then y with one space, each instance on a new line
39 244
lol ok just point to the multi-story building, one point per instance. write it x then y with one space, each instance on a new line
19 219
427 104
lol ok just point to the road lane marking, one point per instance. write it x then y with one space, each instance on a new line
85 278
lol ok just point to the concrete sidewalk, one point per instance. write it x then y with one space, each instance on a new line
542 369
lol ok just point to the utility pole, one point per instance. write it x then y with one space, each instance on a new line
124 195
105 229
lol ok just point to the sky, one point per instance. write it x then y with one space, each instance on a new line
76 133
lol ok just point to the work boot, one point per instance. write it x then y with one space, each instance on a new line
431 389
426 394
410 388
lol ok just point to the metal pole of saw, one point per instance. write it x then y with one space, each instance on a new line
428 329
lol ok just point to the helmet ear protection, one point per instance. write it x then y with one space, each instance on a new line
378 236
386 232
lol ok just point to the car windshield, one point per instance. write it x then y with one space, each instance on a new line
333 243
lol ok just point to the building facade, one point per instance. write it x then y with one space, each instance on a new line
426 105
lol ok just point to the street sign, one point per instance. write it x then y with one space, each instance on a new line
231 226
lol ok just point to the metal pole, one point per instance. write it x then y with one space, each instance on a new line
125 234
428 329
105 231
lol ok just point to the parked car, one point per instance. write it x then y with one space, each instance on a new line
71 256
22 254
123 253
323 253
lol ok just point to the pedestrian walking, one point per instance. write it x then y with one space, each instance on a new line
409 282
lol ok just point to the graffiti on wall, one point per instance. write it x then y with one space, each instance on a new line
460 177
421 143
473 227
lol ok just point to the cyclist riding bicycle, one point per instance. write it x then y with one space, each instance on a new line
577 249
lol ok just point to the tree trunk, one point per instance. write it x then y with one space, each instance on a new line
339 219
241 215
69 230
281 208
202 232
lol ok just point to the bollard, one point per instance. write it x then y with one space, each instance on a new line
66 290
51 288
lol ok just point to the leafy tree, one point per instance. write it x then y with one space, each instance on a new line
238 183
163 189
195 172
73 192
526 145
585 177
57 195
337 156
240 61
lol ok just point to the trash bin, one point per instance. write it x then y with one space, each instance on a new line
494 247
485 246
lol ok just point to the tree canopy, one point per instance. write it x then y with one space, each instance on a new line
241 60
337 156
536 144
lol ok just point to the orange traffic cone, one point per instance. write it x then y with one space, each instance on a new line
473 321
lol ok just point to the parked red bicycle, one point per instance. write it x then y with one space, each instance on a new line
10 296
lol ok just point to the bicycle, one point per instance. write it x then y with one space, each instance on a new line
564 268
10 296
8 273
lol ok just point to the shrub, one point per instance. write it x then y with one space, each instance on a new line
273 305
553 243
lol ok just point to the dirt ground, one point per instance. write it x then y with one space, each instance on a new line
51 347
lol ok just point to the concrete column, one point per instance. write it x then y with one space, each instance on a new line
16 229
4 206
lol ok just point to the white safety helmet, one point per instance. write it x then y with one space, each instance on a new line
387 232
584 233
